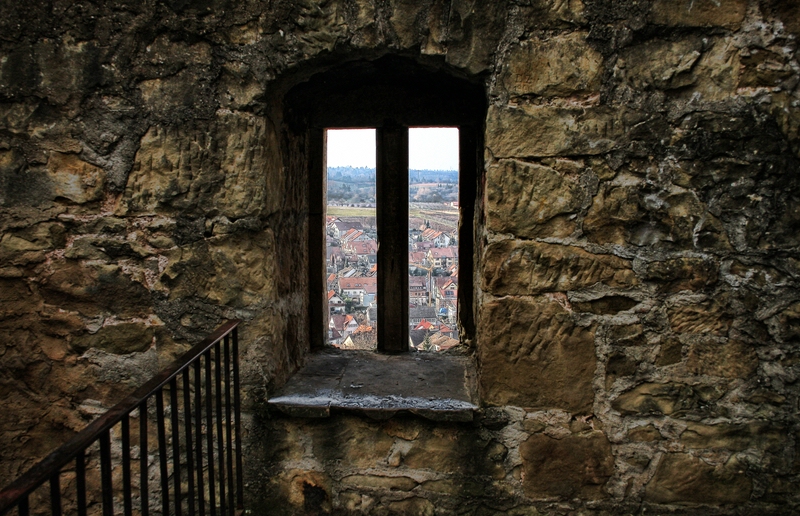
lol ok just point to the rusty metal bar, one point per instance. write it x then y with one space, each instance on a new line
105 473
80 481
24 510
187 422
55 494
16 493
162 452
176 443
126 466
220 445
228 423
237 409
198 424
144 463
210 435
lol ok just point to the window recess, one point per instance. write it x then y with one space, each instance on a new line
390 94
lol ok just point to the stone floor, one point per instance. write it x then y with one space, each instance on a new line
438 387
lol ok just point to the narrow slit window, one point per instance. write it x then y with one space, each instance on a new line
433 238
351 239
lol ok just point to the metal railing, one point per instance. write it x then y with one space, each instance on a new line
198 447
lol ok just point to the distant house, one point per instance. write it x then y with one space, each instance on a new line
365 250
423 247
356 287
448 331
339 228
344 324
443 257
354 235
438 238
417 258
418 290
334 337
426 325
364 337
417 313
335 303
416 339
439 342
448 290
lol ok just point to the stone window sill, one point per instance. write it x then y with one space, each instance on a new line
435 386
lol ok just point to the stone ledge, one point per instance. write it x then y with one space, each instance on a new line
434 386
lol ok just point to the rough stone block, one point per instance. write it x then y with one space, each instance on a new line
605 305
540 131
668 398
351 440
94 289
118 338
683 478
699 13
218 167
683 273
522 267
532 354
709 317
557 66
553 14
647 433
661 64
444 449
757 434
615 210
529 200
577 466
74 179
725 358
379 482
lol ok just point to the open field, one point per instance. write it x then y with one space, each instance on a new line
346 211
440 216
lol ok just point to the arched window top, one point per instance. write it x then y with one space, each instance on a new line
367 93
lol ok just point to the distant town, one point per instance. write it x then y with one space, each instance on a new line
352 255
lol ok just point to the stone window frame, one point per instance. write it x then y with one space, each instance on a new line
390 94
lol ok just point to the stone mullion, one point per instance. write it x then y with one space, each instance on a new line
392 221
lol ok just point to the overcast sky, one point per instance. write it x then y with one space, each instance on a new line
429 148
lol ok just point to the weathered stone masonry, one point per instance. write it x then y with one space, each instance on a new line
636 292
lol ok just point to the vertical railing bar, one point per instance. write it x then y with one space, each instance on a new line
144 465
105 473
126 465
162 452
237 409
23 509
229 423
187 422
210 435
198 424
80 482
176 443
55 494
220 444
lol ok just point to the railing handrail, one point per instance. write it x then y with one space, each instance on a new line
44 469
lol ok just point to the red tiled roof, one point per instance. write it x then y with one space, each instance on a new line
444 252
423 325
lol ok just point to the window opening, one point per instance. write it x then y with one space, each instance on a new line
429 179
433 237
351 239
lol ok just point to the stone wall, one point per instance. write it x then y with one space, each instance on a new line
636 293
